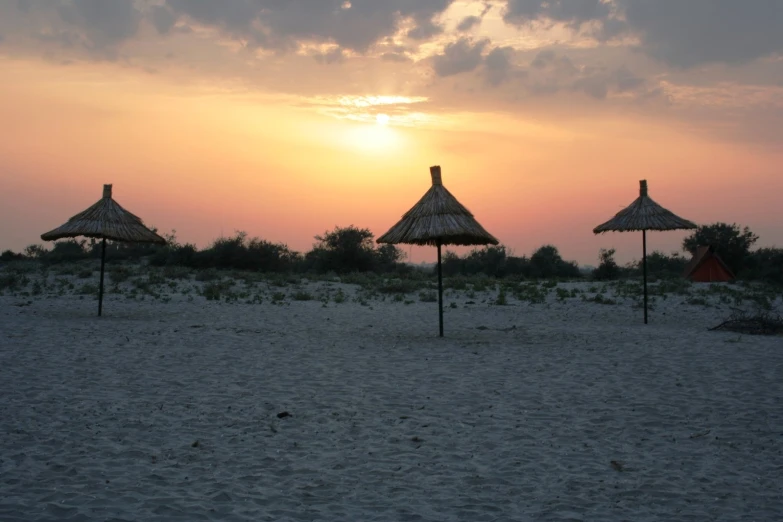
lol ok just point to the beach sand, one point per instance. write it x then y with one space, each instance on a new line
557 411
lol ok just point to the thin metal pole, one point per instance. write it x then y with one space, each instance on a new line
644 271
103 263
440 292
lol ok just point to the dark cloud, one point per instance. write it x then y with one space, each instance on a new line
280 24
103 23
549 73
394 57
162 18
461 56
694 32
574 12
682 33
467 23
61 39
498 66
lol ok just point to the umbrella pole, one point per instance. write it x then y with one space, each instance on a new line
103 263
644 271
440 292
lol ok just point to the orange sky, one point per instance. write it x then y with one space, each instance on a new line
210 145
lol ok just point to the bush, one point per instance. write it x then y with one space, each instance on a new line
546 263
607 268
765 264
8 255
351 249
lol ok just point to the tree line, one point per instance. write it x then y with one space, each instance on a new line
352 249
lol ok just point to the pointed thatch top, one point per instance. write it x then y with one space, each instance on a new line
644 214
106 219
438 218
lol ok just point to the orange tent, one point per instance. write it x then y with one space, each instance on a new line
707 267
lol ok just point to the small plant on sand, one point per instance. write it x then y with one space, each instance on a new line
302 295
531 292
214 291
428 296
120 274
697 301
84 274
207 275
339 297
600 299
176 272
501 298
87 289
278 297
10 281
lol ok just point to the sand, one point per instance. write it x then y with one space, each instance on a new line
175 410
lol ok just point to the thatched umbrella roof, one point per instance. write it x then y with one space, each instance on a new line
106 219
438 218
644 214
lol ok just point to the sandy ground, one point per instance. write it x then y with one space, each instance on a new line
560 411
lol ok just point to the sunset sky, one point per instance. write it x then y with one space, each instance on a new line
286 118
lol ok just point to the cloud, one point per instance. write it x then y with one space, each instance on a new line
162 18
694 32
572 12
104 24
498 66
278 24
394 57
467 23
461 56
680 33
333 56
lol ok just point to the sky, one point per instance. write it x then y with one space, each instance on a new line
286 118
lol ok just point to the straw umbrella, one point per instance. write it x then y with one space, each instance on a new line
438 219
644 214
106 219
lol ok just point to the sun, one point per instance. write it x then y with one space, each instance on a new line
382 119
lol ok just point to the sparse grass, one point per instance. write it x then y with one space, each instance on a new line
530 292
120 273
428 296
398 286
302 295
600 299
207 275
501 299
176 272
213 291
87 289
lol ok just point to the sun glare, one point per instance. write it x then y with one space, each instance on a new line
372 138
382 119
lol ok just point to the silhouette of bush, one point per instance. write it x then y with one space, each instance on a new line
351 249
8 255
765 264
607 268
